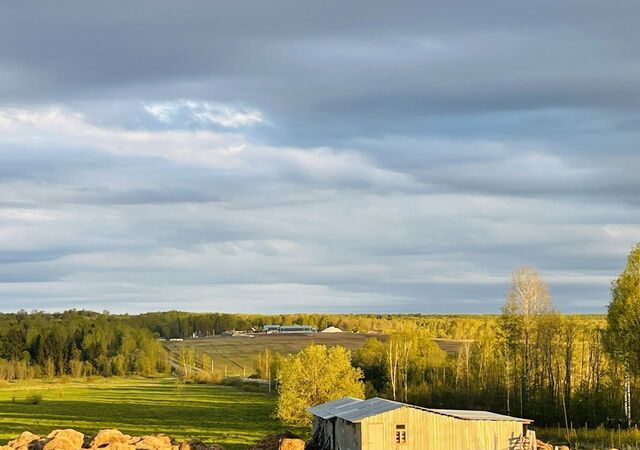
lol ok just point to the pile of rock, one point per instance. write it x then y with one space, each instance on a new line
541 445
283 441
104 439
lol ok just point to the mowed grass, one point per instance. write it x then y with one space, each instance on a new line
240 354
211 413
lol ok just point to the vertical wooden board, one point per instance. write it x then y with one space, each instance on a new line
376 438
427 431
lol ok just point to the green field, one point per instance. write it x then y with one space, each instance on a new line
239 354
212 413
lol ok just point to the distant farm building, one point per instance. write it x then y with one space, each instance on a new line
332 330
289 329
379 424
298 329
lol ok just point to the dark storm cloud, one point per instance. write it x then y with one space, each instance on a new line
351 156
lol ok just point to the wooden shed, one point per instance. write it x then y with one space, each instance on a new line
380 424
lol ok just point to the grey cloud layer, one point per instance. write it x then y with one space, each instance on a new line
280 156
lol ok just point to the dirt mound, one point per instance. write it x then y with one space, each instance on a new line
282 441
103 440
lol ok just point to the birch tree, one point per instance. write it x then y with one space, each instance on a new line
393 362
528 299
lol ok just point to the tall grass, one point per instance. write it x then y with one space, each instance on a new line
592 438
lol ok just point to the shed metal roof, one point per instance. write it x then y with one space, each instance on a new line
330 409
354 410
476 415
367 408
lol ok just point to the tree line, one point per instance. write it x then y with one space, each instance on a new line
529 360
40 345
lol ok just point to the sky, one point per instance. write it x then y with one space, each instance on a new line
315 156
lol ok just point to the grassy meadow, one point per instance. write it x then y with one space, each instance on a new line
222 414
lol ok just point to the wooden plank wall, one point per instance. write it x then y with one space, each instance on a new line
348 435
430 431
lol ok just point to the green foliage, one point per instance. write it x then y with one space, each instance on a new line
623 315
313 376
77 344
371 359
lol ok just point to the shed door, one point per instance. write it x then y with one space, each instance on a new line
376 437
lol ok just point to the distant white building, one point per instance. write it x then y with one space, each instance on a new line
289 329
297 329
332 330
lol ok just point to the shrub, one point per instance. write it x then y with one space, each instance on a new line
34 399
203 377
236 382
254 387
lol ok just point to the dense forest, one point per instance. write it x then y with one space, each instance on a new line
76 343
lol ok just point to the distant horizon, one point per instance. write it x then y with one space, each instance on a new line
349 156
444 314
